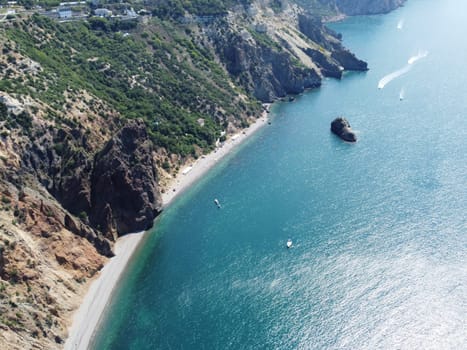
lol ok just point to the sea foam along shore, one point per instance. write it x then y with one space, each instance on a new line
87 317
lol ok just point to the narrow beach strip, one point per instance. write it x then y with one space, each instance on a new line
193 172
87 317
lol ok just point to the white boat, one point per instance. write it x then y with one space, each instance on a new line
401 94
216 201
400 24
289 243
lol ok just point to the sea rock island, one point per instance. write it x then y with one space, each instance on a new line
341 127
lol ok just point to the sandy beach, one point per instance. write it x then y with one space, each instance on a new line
87 317
191 173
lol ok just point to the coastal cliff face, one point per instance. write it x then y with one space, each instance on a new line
66 194
272 56
264 71
124 192
340 58
44 266
113 191
93 123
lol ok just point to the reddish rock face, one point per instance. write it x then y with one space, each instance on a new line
112 192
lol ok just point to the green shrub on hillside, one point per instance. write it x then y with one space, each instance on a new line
177 8
162 77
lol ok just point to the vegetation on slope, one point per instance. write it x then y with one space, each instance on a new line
159 75
177 8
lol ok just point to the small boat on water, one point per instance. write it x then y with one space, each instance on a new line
400 24
289 243
216 201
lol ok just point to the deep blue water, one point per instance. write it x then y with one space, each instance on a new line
379 227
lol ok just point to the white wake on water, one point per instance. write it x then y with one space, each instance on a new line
388 78
391 76
420 55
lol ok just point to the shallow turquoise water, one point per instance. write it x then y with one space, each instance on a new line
379 227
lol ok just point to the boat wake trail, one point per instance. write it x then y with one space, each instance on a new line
420 55
388 78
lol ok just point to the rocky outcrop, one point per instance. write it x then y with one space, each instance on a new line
101 244
314 29
263 70
61 162
267 66
341 127
340 58
43 267
113 193
124 195
328 65
349 61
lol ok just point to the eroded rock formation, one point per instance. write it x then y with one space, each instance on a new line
124 196
265 72
341 127
114 192
340 58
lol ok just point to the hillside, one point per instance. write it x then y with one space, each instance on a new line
96 114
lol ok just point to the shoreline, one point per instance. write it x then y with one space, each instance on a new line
193 171
87 317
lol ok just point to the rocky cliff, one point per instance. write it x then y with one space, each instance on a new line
113 191
262 70
67 190
339 58
272 56
44 266
124 193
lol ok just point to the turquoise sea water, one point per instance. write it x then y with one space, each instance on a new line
379 227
